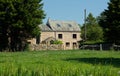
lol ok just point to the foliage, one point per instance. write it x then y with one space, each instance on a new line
60 63
19 20
93 31
110 21
57 42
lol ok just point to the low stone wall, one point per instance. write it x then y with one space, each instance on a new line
38 47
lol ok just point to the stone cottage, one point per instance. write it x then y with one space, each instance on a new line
66 31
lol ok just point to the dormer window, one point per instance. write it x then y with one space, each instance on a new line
58 25
69 25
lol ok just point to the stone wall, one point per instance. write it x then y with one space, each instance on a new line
38 47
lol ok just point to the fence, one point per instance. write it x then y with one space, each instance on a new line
100 47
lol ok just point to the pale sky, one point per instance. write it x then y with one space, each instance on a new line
73 9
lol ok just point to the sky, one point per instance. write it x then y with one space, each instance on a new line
72 10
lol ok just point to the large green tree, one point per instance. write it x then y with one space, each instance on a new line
110 21
93 31
19 20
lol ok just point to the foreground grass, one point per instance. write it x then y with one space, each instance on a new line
60 63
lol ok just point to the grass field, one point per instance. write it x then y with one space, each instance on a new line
60 63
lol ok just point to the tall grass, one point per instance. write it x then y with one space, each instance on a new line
60 63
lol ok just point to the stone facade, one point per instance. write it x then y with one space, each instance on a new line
69 42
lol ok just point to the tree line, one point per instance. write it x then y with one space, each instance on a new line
104 28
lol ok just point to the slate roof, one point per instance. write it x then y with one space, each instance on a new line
44 27
55 25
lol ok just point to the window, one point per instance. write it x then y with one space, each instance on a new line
74 45
60 36
74 36
67 44
69 25
58 25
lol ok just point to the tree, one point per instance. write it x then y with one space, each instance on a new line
93 31
110 21
19 20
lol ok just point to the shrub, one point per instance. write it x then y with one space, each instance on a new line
57 42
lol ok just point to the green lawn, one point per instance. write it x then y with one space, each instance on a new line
60 63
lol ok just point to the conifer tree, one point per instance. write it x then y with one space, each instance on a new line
93 31
110 21
19 20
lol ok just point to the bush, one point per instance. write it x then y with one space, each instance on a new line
57 42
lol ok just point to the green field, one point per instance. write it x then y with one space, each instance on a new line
60 63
